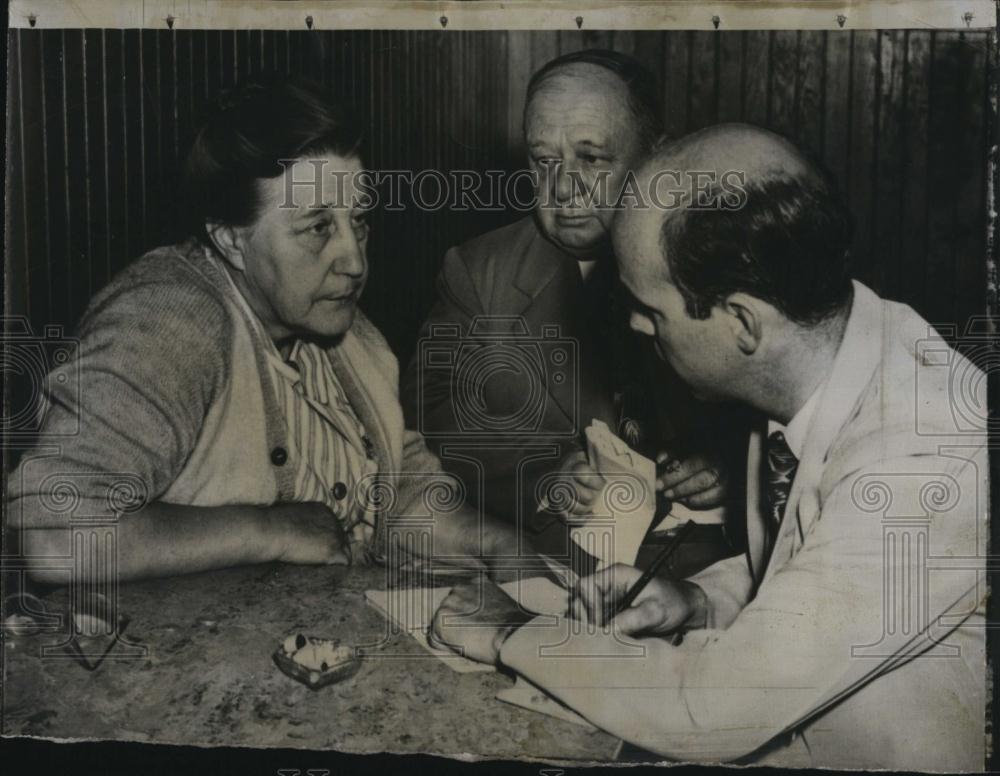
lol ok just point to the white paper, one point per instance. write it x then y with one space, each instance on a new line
627 504
680 514
412 610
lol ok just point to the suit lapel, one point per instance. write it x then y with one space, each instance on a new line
857 359
538 261
548 285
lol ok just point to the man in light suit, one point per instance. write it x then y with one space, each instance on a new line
590 114
852 635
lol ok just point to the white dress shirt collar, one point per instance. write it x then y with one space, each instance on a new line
797 428
586 267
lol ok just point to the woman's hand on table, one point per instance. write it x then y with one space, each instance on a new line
475 620
307 533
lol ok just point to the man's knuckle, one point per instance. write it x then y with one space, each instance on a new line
658 611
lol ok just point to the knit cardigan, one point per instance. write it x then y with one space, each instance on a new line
169 398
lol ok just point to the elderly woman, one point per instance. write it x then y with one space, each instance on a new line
230 382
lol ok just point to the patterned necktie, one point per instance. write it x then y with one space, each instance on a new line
781 466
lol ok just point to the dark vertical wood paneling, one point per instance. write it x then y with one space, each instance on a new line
164 114
955 270
17 287
100 120
116 151
44 128
33 163
676 70
78 201
781 90
296 50
837 116
730 76
214 63
151 138
890 131
277 42
96 250
703 79
862 149
184 89
57 163
518 74
757 77
244 54
624 41
913 192
970 201
810 82
569 40
648 48
229 68
255 52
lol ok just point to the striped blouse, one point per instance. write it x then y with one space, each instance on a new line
327 443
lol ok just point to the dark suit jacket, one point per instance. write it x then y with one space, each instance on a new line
538 353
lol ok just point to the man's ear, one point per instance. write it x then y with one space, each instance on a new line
228 242
747 321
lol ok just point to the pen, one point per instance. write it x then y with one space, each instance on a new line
629 598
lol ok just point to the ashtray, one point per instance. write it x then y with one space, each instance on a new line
316 662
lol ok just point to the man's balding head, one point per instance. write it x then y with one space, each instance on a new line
620 74
759 153
589 118
770 223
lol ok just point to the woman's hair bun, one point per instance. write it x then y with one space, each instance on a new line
246 134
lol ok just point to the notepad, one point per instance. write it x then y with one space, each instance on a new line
412 610
628 501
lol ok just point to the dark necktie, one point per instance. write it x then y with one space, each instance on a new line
781 466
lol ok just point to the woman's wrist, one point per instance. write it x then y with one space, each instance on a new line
504 632
266 540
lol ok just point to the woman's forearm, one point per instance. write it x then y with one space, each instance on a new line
470 533
162 540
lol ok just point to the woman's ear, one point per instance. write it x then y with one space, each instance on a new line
747 321
228 242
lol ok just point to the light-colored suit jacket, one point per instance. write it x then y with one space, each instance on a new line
861 642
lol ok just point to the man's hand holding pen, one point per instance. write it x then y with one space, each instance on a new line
663 607
640 602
